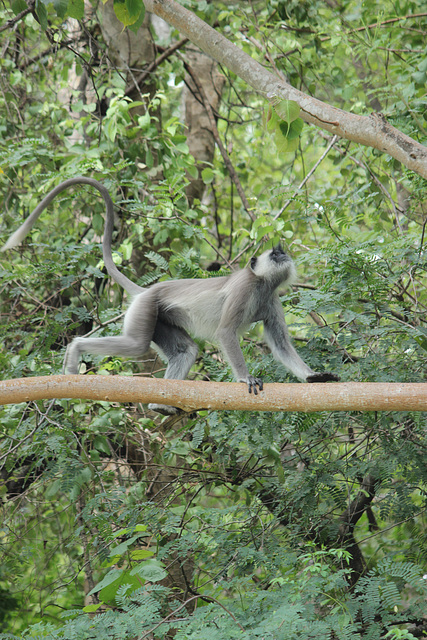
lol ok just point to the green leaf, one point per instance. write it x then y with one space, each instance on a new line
134 7
111 576
76 9
111 129
101 444
287 135
126 248
131 530
141 554
53 489
192 171
150 571
41 14
109 592
261 227
272 121
18 6
123 546
287 110
128 11
295 129
138 23
60 7
140 527
207 175
92 608
280 140
144 120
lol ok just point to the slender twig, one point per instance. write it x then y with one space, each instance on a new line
217 251
10 23
310 173
308 176
157 62
20 443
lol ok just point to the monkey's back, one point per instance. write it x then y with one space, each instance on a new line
197 305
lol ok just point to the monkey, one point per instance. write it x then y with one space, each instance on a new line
166 313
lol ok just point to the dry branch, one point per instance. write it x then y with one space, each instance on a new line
373 130
192 396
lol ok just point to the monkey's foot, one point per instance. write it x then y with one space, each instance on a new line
164 409
252 383
325 376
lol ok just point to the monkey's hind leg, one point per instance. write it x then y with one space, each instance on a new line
138 329
123 346
181 353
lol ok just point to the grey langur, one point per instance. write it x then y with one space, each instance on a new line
217 309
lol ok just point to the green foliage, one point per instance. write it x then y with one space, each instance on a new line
118 524
284 122
129 12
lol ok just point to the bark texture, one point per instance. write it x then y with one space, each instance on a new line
196 395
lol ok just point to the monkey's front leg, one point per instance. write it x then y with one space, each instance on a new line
277 338
230 345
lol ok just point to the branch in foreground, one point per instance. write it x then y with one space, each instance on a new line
196 395
373 131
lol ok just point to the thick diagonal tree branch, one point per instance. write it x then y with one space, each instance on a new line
373 130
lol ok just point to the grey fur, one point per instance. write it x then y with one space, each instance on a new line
217 309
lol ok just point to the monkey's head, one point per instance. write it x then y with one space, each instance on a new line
274 265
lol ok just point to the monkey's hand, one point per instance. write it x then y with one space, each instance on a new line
325 376
252 383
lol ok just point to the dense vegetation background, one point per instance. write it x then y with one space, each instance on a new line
116 523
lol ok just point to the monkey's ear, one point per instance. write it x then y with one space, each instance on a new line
253 262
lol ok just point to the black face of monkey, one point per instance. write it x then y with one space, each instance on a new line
274 266
278 255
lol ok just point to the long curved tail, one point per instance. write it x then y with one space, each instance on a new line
17 237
